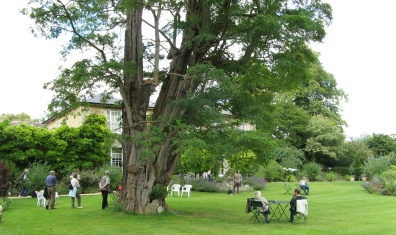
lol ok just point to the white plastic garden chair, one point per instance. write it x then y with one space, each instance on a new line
186 189
40 198
175 188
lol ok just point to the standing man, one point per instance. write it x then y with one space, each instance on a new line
23 178
237 182
51 182
104 187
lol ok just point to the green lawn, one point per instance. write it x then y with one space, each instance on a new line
334 208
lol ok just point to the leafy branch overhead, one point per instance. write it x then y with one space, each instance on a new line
214 66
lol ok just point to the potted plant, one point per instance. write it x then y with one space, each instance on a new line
352 171
352 178
364 177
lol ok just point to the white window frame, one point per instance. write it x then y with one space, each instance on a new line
116 157
114 120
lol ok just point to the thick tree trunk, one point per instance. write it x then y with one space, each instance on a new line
141 175
138 175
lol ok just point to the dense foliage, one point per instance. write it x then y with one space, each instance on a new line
384 184
4 175
84 147
218 66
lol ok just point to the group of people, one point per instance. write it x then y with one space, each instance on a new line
50 190
104 187
293 202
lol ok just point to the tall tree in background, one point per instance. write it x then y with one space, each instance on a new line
22 117
299 109
324 141
224 57
353 153
381 144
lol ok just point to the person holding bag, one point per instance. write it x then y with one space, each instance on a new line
73 193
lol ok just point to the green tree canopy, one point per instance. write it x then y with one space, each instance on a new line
208 60
355 153
294 109
325 138
381 144
23 117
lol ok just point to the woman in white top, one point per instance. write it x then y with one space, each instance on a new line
304 185
73 193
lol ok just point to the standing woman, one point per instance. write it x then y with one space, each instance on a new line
73 193
104 187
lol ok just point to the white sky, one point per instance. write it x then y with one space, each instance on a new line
357 51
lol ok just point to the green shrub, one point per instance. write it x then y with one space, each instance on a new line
36 177
312 170
89 180
375 166
5 203
205 186
388 179
290 178
375 186
385 184
13 176
158 192
4 172
331 176
341 170
257 183
270 171
347 177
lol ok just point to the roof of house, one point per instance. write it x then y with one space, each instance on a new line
96 100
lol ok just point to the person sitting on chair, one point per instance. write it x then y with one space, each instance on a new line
304 185
265 209
293 203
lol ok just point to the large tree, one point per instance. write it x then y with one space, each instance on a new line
325 139
221 57
318 96
381 144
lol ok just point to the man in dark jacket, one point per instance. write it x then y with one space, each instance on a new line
293 203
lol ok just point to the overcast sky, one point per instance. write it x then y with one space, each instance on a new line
357 50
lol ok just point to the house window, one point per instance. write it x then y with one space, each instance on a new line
116 157
114 121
